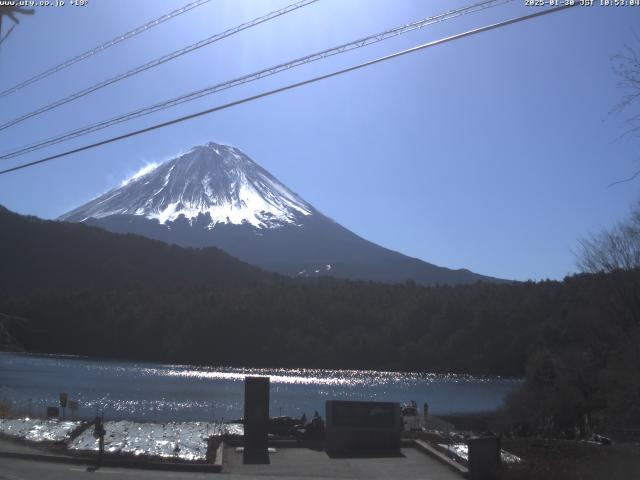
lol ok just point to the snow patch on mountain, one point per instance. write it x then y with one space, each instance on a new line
214 180
149 167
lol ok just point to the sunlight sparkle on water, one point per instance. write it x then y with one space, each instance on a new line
300 376
163 392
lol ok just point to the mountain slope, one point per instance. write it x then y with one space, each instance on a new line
213 180
36 253
214 195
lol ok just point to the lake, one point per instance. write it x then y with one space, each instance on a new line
157 392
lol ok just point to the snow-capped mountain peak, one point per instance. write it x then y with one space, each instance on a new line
212 179
232 203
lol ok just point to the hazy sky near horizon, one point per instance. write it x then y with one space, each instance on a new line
492 153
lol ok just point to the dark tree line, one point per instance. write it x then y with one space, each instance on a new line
591 383
36 254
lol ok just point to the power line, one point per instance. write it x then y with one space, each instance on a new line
104 46
2 39
159 61
293 86
362 42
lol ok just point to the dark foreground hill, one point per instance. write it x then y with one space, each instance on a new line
36 253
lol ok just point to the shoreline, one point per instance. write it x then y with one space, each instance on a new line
452 375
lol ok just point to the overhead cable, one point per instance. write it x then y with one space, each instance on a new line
291 86
361 42
158 61
104 46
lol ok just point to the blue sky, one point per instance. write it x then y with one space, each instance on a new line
492 153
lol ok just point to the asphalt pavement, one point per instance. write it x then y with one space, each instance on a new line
14 469
287 463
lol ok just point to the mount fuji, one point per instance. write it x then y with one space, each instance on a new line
215 195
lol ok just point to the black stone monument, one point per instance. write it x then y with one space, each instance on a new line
256 420
364 427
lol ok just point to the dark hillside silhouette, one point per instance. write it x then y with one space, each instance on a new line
36 253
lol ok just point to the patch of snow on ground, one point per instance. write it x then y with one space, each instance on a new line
461 450
36 430
185 441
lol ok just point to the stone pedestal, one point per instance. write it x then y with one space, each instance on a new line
256 419
484 458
